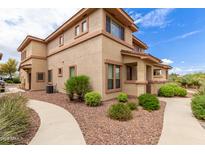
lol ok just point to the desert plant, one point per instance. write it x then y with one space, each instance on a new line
166 91
93 99
132 105
16 80
149 102
122 97
14 118
119 111
179 91
171 89
79 85
198 106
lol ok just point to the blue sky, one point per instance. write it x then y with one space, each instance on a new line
176 35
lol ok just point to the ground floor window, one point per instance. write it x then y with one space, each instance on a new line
157 72
49 75
72 71
40 76
113 76
60 72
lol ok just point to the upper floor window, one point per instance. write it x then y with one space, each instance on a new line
77 30
23 55
114 28
157 72
61 40
84 26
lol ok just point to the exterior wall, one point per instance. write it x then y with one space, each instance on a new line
95 23
87 56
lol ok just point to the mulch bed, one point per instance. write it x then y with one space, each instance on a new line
97 128
35 124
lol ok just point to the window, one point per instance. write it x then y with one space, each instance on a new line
23 55
72 71
129 73
60 72
61 40
40 76
113 77
49 75
84 26
114 28
117 76
77 30
157 72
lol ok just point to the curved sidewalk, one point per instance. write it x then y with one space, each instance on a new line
180 126
58 126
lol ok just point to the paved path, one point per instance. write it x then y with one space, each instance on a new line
180 127
58 126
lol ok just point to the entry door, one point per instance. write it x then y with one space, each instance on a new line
29 81
148 78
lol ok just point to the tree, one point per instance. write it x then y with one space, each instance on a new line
9 68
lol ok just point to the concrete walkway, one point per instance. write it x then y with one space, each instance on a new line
180 127
58 126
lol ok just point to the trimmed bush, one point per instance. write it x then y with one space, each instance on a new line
122 97
8 81
93 99
179 91
16 80
14 118
132 105
171 89
119 111
79 85
149 102
198 107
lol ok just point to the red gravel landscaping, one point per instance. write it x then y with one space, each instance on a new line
97 128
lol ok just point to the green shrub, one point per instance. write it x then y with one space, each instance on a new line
9 81
14 118
122 97
119 111
93 99
132 105
179 91
198 107
171 89
166 91
79 85
149 102
16 80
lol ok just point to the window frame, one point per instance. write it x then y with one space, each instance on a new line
51 76
61 37
84 21
37 79
60 74
75 69
107 63
80 24
76 30
108 27
157 75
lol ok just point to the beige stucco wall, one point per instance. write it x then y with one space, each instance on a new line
87 56
95 23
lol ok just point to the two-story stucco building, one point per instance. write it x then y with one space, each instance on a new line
98 43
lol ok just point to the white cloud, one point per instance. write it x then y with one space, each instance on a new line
179 37
167 61
187 70
182 62
155 18
15 24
